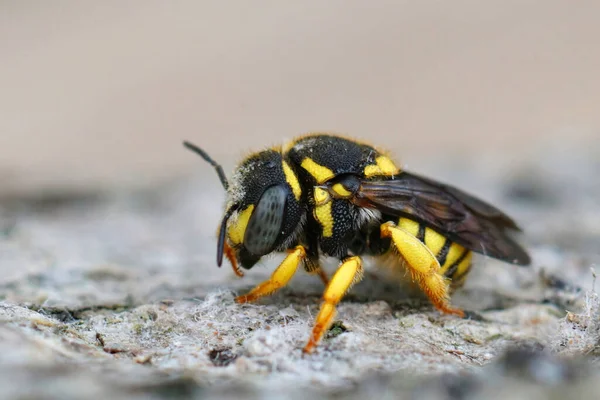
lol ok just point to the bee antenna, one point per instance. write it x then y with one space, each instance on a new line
207 158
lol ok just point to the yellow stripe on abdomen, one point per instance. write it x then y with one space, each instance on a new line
434 241
461 271
409 226
457 269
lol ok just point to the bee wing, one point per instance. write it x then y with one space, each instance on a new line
461 217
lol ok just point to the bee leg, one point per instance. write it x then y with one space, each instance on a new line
323 276
312 266
280 277
348 273
231 257
423 266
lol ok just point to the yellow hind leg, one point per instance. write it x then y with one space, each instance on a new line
423 266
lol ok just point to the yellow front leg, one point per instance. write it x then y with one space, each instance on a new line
423 266
348 273
280 277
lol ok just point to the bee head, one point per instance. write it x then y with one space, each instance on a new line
263 212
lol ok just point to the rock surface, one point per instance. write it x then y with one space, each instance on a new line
116 295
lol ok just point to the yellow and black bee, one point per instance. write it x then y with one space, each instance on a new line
327 195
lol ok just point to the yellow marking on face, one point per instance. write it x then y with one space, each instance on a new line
340 190
383 166
321 196
319 172
237 227
409 226
434 240
322 211
292 180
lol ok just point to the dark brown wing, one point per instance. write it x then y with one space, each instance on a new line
461 217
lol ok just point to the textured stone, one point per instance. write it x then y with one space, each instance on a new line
118 296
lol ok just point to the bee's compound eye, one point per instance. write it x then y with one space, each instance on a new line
266 221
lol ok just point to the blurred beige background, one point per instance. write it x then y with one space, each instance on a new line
100 94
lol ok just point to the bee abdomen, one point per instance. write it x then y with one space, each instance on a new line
454 259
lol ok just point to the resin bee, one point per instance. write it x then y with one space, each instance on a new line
327 195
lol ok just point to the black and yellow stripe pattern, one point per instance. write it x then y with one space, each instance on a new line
454 259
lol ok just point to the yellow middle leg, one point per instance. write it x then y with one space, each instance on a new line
423 266
323 276
313 267
280 277
348 273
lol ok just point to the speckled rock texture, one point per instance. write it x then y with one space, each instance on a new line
117 295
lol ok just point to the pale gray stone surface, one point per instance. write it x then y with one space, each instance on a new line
118 296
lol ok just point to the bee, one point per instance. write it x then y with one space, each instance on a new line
327 195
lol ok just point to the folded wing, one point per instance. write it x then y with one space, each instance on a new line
461 217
